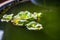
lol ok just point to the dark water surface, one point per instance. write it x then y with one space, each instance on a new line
50 21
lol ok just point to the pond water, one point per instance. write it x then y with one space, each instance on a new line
50 21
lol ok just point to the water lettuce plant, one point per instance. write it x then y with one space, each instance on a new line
24 18
34 26
7 18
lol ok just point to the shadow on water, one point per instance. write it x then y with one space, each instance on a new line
17 33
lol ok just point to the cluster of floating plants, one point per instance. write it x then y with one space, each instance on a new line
25 18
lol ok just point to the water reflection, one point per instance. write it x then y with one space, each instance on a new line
37 2
1 34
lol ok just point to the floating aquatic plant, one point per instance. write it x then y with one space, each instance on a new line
34 26
7 18
24 18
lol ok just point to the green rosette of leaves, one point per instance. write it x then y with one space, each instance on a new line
34 26
36 16
7 18
21 18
